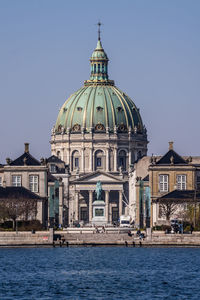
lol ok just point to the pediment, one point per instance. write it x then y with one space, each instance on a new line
98 176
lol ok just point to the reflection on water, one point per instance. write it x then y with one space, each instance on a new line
99 273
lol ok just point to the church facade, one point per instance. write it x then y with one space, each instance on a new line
99 135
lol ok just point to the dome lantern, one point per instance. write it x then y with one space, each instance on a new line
99 65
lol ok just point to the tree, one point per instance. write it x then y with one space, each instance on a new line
167 209
18 207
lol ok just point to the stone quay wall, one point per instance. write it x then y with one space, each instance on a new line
89 236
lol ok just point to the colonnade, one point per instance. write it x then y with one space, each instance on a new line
108 215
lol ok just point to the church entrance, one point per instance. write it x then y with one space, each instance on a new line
115 214
84 214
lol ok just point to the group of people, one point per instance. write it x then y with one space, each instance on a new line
102 230
138 234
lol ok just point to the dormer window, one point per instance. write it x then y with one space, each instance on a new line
64 109
99 108
53 168
119 109
79 108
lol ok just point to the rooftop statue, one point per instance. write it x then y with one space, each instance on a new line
98 190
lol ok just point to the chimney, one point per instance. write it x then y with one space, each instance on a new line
26 148
171 145
8 160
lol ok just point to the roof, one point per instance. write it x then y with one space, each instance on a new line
25 159
54 159
99 107
96 176
180 196
16 192
99 104
146 178
171 157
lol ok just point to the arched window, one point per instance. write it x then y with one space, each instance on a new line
122 159
75 160
94 68
58 154
102 68
98 68
99 160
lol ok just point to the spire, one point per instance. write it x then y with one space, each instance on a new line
99 64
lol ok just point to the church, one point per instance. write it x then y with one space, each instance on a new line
99 135
99 169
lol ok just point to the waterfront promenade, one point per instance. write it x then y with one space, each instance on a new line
89 237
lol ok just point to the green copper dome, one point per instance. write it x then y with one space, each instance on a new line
99 105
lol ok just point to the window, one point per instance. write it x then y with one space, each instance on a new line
76 162
181 182
102 68
94 68
16 180
33 183
122 159
98 68
0 181
98 161
163 183
53 168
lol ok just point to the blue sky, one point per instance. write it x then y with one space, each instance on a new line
153 47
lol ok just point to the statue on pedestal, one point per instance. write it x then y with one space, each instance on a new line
98 190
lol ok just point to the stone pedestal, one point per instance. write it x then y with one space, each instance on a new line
148 234
99 216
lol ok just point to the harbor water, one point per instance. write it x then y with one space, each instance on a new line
99 273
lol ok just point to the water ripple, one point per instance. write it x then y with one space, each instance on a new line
99 273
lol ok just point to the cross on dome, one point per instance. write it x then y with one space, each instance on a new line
99 31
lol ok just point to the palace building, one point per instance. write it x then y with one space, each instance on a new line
99 135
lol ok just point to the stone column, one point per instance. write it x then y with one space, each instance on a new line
107 160
107 206
90 205
115 159
67 155
82 160
91 160
129 157
120 203
76 206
